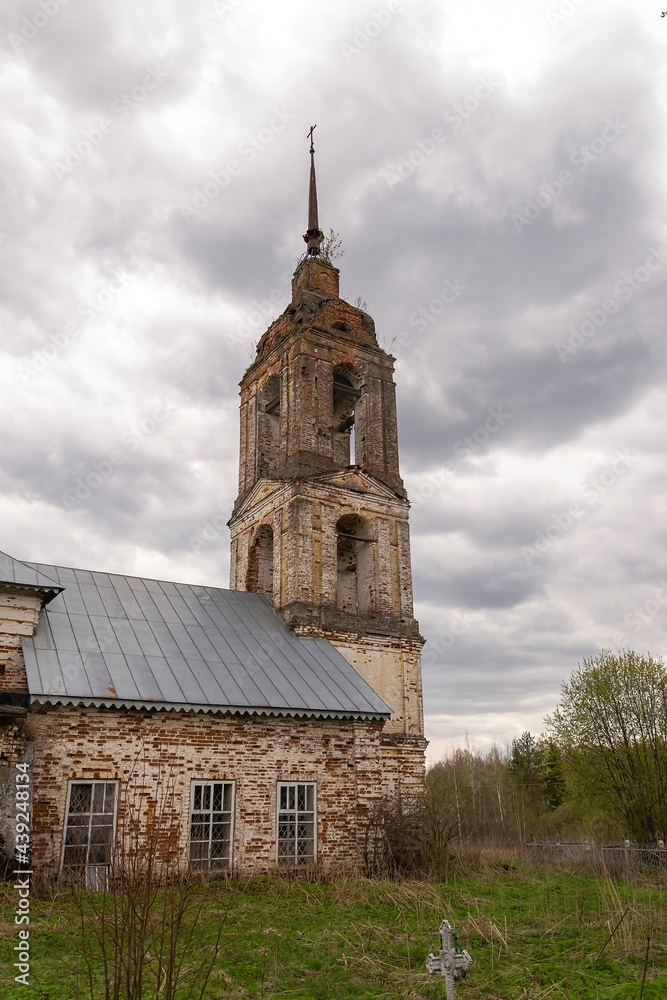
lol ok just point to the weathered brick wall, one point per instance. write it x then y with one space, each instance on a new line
324 583
303 518
392 667
346 758
15 748
316 275
18 617
318 335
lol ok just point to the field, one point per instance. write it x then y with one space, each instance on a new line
533 933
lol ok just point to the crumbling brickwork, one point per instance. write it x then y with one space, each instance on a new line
318 338
338 522
19 611
149 753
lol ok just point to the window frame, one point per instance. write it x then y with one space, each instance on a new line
197 863
71 782
294 862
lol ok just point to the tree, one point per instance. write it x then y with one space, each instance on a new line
525 760
611 726
553 773
524 764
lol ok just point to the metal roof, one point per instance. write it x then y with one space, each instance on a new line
26 576
112 640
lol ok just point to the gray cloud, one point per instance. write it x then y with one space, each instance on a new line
180 323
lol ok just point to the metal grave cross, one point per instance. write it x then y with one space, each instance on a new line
451 962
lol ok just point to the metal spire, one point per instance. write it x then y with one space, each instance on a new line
313 236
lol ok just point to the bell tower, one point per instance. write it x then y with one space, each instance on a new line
320 524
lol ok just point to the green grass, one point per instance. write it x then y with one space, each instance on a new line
533 933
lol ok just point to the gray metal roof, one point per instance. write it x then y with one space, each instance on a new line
111 640
27 577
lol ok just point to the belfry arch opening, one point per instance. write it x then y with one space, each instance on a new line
345 396
356 565
268 418
259 579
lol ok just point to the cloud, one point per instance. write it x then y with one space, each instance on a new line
480 114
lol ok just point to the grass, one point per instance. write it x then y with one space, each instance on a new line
534 933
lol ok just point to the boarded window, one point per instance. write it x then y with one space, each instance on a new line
297 841
211 824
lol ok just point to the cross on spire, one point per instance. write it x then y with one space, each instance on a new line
313 235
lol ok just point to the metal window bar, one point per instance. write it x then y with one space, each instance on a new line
211 824
89 830
297 842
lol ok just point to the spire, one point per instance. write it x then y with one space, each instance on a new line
313 236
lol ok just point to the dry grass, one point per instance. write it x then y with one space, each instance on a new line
534 932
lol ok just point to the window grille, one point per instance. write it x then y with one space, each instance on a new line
89 829
211 824
297 842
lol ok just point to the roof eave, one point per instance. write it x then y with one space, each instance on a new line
162 706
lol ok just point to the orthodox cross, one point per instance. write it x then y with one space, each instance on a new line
450 962
310 136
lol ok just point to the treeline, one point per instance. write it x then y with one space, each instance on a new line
600 771
517 794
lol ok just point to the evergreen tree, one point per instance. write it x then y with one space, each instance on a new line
553 773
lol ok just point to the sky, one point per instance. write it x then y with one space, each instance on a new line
497 177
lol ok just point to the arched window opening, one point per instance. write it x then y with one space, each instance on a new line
345 397
356 565
268 444
259 579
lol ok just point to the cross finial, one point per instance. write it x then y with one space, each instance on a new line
313 236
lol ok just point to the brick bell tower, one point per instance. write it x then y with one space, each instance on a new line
320 524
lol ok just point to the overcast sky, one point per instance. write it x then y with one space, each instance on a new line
497 175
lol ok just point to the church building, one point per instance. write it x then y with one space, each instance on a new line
253 727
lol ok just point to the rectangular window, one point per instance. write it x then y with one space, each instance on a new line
297 843
211 823
89 829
